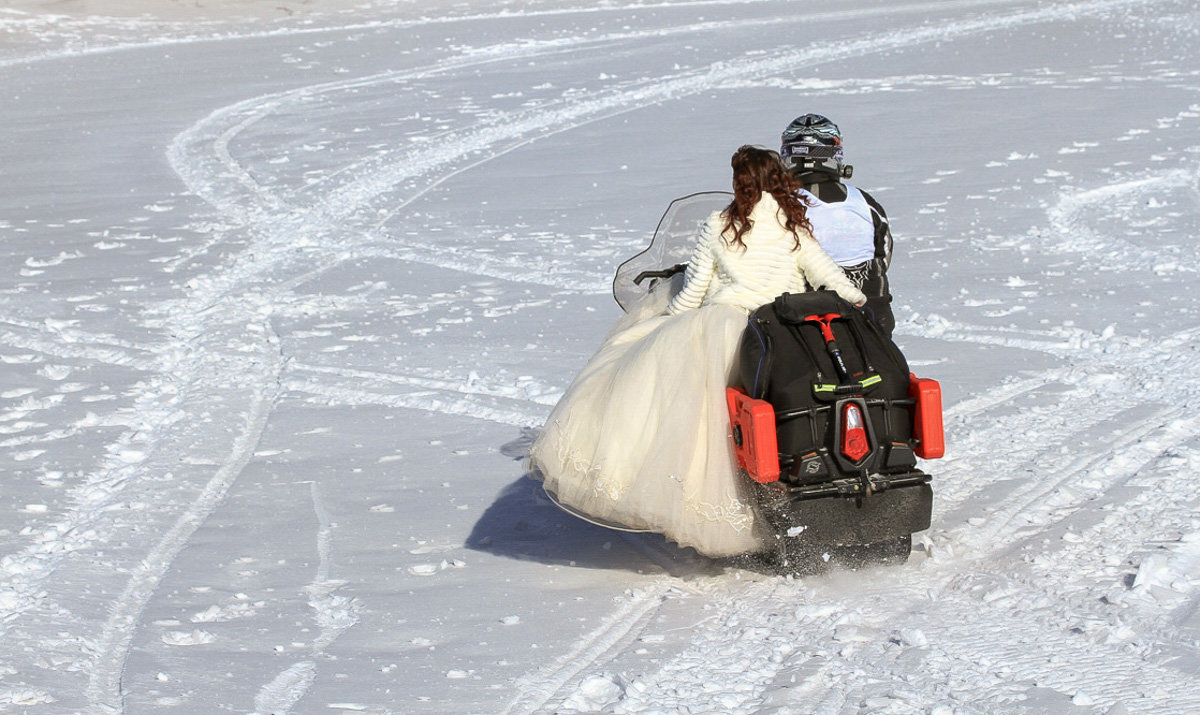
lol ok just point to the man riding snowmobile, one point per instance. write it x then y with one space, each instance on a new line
848 222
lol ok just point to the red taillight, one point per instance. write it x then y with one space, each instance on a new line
855 444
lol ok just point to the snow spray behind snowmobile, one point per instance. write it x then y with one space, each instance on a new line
827 423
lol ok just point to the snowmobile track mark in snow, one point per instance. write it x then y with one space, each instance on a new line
110 42
430 400
188 153
77 345
333 616
618 629
104 689
1031 501
979 404
1068 218
1100 556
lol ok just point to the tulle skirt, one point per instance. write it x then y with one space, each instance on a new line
641 437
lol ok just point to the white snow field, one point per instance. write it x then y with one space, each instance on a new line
283 300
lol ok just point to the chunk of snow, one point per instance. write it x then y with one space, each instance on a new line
196 637
595 693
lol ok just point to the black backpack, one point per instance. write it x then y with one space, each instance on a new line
786 359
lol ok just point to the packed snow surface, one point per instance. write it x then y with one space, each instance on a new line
284 300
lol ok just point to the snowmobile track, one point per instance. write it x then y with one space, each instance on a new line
201 154
619 629
104 688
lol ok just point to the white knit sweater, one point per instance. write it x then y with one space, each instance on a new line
768 266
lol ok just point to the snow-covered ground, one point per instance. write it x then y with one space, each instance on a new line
283 299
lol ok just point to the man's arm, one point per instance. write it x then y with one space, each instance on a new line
883 231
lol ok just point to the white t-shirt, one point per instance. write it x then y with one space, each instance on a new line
844 229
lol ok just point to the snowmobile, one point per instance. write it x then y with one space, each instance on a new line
827 423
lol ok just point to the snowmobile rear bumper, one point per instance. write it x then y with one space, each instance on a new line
847 512
857 487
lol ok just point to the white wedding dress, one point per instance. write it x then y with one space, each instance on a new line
641 437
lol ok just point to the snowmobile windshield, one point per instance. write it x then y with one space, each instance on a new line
671 245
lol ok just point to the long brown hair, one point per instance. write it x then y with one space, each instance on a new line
757 170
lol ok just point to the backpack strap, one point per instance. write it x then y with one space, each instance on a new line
827 391
762 371
812 358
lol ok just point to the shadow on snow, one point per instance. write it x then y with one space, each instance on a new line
523 523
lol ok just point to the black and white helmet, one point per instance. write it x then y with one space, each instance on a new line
813 143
